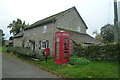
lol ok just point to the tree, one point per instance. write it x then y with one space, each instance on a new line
107 33
3 39
11 38
16 26
97 36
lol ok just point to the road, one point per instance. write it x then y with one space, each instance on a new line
14 68
0 64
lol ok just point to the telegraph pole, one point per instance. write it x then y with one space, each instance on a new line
115 22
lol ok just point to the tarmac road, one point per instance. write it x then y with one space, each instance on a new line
13 68
0 65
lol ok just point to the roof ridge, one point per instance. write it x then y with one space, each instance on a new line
48 19
53 18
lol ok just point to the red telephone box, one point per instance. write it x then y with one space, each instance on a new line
61 47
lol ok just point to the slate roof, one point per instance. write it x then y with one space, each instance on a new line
81 37
20 34
52 19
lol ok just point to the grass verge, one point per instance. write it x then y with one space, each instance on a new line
3 49
94 69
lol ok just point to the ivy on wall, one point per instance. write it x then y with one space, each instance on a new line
104 52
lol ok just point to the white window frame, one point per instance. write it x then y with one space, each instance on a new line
44 43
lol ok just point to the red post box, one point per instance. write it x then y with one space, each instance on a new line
47 51
61 47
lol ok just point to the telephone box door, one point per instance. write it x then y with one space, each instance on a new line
66 48
57 49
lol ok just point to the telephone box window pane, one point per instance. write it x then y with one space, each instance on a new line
65 44
57 51
57 56
65 54
66 38
57 46
66 57
65 34
65 51
57 39
57 34
65 47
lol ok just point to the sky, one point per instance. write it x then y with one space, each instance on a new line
95 13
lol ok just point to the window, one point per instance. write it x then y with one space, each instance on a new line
43 44
78 28
36 45
44 29
34 32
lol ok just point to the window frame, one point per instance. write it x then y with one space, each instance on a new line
44 44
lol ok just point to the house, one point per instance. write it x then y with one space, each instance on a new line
8 43
1 33
40 34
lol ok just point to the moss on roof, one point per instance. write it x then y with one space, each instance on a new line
83 37
20 34
44 21
47 19
71 31
51 19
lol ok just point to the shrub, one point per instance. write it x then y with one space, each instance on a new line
106 52
20 50
77 60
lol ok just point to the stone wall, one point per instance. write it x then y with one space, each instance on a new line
71 20
17 42
38 34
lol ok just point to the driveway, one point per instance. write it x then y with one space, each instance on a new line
13 68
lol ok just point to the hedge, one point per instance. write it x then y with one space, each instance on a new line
104 52
21 50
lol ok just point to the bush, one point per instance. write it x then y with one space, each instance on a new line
106 52
20 50
77 60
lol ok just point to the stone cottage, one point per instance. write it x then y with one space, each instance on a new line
40 34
